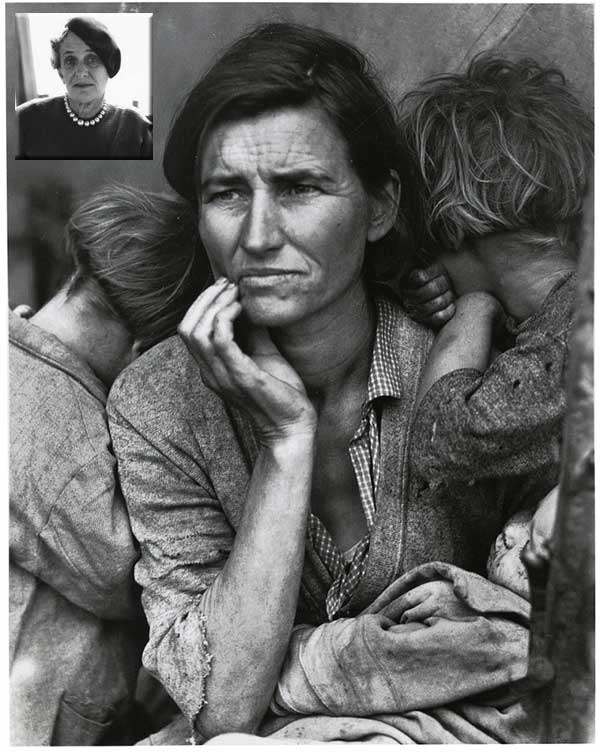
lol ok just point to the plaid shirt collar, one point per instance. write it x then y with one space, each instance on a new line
384 376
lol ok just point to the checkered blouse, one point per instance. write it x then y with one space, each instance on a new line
384 381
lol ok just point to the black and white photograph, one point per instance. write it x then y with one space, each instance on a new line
300 373
62 106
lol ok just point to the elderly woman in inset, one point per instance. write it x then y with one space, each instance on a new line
263 453
82 124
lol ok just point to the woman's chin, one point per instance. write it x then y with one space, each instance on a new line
269 312
83 96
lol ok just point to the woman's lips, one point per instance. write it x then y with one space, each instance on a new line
266 277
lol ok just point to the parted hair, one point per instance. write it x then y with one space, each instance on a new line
505 146
55 43
280 65
137 255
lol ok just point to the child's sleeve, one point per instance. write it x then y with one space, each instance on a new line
501 423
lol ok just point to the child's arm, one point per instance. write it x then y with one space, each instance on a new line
465 342
501 423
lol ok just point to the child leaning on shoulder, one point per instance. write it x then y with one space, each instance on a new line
501 157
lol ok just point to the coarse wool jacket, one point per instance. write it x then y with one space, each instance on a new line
76 625
185 459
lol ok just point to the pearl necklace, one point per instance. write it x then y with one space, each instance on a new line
80 121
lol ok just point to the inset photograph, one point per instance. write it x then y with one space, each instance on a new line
84 86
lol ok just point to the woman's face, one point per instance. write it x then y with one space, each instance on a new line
81 69
283 213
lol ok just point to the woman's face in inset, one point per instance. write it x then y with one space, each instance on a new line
81 70
283 213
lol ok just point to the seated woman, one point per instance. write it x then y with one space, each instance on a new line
76 626
263 454
82 124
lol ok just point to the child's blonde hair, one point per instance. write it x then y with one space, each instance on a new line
137 255
504 147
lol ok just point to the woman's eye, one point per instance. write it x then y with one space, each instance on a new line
69 62
302 189
93 61
224 197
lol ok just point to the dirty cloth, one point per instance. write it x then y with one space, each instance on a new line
372 678
376 666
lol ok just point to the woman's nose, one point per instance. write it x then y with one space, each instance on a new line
81 68
261 232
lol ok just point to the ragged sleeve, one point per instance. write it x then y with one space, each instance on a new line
183 533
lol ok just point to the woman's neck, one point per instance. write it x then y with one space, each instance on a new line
86 109
331 351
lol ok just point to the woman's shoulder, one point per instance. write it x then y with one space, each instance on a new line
131 115
39 106
164 380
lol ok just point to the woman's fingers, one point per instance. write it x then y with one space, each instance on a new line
262 382
197 327
199 308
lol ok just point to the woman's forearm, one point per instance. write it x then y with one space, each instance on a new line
250 608
464 342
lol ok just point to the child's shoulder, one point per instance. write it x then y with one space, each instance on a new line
555 314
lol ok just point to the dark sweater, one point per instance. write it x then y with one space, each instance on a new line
47 132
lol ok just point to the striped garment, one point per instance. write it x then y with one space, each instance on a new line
384 381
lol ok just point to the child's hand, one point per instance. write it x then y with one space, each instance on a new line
432 599
538 551
427 296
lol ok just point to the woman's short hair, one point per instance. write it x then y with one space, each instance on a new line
98 38
505 146
136 255
280 65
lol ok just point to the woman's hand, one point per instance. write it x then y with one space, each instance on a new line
260 381
427 296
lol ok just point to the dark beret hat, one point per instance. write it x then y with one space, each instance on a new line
98 38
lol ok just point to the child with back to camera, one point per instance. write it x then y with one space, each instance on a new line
76 625
501 157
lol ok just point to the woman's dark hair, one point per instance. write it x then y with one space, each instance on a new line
137 255
506 146
280 65
55 48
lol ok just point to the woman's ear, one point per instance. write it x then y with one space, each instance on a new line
384 208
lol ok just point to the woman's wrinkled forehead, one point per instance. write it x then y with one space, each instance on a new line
313 118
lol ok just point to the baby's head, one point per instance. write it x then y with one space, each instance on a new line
504 147
504 565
